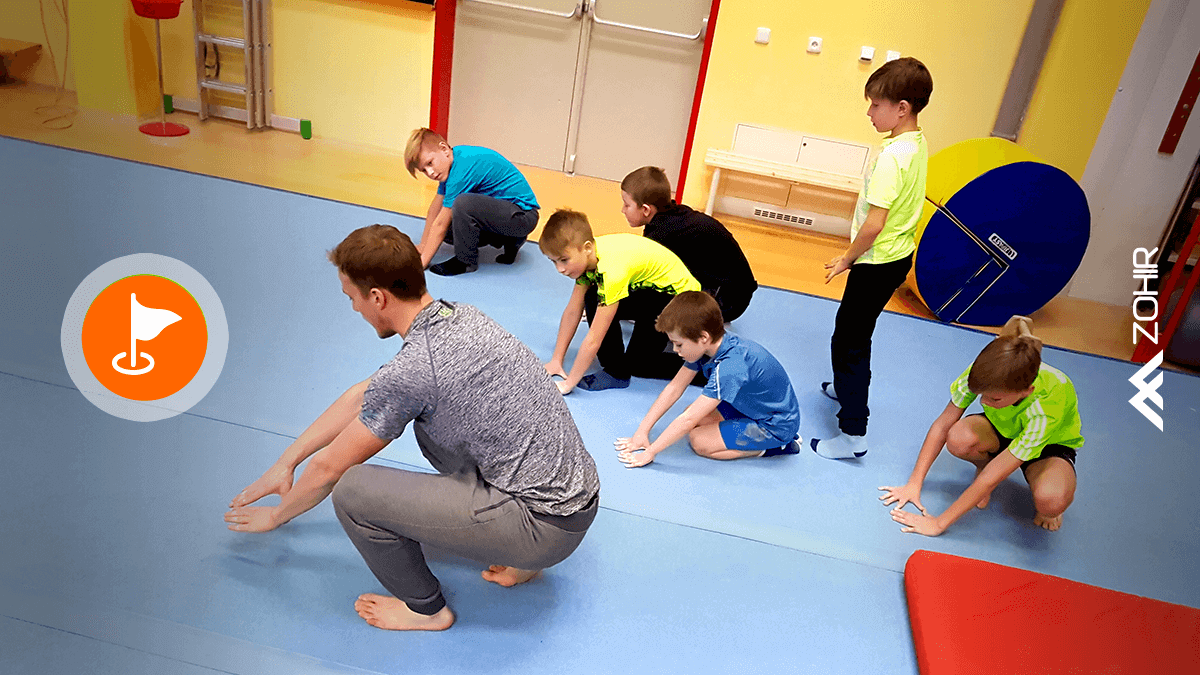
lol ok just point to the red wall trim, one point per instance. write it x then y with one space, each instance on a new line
691 133
443 61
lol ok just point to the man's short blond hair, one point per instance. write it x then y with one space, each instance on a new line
421 139
565 229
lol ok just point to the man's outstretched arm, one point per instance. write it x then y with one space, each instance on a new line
354 445
277 480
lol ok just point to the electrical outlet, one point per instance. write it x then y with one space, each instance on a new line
763 36
892 55
814 45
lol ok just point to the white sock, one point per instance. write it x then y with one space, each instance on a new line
842 446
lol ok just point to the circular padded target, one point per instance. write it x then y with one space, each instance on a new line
1005 243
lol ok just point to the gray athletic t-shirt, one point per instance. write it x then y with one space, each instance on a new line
480 398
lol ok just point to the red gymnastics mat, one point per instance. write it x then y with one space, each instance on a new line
971 616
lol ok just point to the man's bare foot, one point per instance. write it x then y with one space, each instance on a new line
983 503
508 576
390 613
1051 523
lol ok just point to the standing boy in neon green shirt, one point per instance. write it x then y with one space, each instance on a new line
881 244
1030 420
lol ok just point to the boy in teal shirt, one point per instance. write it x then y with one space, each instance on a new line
881 244
482 199
1030 420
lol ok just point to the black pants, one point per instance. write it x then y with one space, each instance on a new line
645 356
868 288
732 300
479 219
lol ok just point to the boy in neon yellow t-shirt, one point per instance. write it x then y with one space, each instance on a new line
881 244
1030 420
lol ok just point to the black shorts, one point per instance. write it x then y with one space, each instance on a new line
1051 450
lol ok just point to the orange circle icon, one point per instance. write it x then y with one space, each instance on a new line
144 337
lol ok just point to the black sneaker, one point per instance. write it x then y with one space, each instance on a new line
509 256
451 268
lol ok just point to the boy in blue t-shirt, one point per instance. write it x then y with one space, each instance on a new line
482 199
748 407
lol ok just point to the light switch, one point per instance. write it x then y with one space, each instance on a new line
892 55
867 54
763 36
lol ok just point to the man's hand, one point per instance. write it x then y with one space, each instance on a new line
276 481
904 494
916 522
252 519
563 388
836 266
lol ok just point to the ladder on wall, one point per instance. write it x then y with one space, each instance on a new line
216 28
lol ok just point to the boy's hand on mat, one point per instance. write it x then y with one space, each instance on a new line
276 481
556 368
632 444
562 387
836 267
252 519
916 522
904 494
635 458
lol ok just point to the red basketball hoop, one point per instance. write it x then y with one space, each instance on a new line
157 9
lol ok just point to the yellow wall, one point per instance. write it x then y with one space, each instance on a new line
23 21
359 69
1079 78
969 48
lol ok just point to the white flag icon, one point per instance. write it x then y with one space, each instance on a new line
145 323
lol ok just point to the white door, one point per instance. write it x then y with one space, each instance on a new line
596 87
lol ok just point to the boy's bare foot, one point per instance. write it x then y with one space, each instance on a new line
1051 523
983 503
508 576
390 613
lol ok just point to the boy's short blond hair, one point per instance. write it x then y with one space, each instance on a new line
905 79
690 314
1010 363
565 229
420 139
380 256
648 185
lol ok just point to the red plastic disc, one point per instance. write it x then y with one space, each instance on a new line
163 129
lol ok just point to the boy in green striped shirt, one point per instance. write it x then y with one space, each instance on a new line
1030 420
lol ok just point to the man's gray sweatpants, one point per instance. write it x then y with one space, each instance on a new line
389 513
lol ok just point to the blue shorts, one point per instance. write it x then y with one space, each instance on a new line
742 433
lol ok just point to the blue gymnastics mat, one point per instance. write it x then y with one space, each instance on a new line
694 565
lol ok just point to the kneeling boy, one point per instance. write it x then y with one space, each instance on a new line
617 276
748 407
1030 420
482 199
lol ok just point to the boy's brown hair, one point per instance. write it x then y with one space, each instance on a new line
905 79
691 313
648 185
565 229
1009 363
420 139
380 256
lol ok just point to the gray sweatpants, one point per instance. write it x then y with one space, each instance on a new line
389 513
495 220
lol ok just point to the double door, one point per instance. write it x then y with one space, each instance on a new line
590 87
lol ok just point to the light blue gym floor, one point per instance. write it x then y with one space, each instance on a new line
114 557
